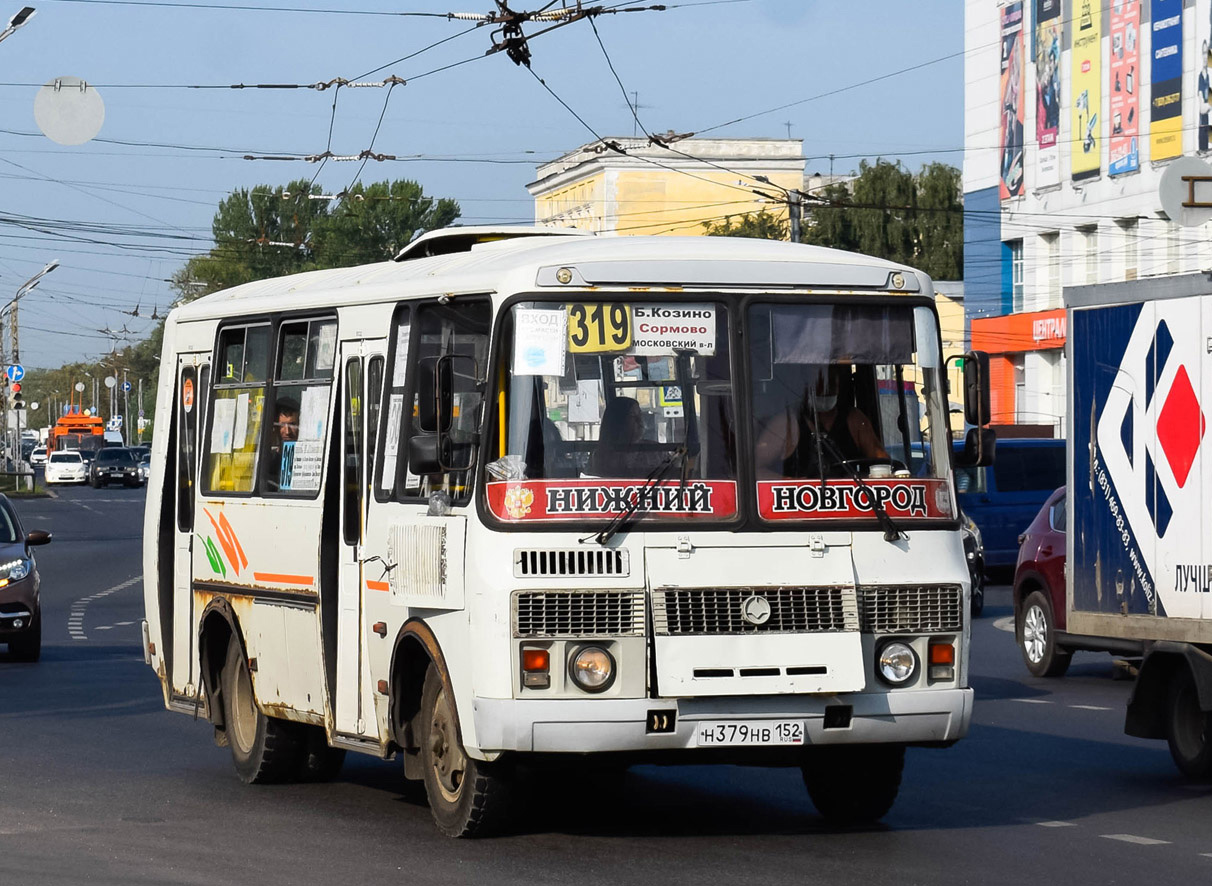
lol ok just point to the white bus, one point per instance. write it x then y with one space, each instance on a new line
660 499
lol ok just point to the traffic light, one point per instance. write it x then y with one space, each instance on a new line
16 387
18 402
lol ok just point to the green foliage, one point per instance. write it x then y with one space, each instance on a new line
893 214
763 225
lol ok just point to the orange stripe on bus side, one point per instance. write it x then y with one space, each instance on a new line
377 586
275 578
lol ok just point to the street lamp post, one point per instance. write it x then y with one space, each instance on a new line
21 18
22 290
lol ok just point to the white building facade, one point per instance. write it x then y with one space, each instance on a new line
1073 110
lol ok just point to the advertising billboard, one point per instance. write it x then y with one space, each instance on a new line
1011 144
1124 139
1047 90
1086 89
1165 109
1203 68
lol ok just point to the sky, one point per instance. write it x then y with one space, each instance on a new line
124 211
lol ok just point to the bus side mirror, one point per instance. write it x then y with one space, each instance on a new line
977 409
979 447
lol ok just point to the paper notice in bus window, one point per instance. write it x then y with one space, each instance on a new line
665 329
584 404
313 413
400 371
539 342
326 348
240 435
223 426
391 447
301 463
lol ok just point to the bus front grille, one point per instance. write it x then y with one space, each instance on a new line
578 614
683 611
911 609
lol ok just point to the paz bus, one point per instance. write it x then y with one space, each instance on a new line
524 499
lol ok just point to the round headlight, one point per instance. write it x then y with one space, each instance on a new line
897 662
592 669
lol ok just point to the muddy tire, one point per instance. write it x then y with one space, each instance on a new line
468 798
853 784
1188 727
265 750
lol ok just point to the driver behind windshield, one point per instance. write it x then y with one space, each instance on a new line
785 444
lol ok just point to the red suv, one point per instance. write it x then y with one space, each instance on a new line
1039 598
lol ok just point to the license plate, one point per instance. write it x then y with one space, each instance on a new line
751 733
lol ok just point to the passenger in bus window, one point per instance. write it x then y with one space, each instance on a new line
286 430
622 431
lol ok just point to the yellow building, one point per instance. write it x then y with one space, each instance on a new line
649 189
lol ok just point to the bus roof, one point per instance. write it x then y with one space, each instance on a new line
523 264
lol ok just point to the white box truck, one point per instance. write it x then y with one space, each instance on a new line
1140 478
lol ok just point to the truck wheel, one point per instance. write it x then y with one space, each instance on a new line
27 646
1037 638
853 784
1188 728
265 750
468 798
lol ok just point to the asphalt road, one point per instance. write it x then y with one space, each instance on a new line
100 784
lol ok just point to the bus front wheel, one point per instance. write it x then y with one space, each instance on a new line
467 797
265 750
853 784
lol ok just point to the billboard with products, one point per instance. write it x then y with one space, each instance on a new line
1166 78
1047 90
1086 89
1124 140
1011 143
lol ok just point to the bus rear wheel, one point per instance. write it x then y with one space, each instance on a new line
853 784
468 797
265 750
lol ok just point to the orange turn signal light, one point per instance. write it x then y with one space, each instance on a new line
942 654
536 660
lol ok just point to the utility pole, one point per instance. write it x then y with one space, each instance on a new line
125 408
793 214
22 290
140 410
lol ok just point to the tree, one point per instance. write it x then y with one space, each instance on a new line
374 223
890 213
763 225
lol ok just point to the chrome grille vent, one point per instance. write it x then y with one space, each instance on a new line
912 609
571 562
683 611
578 614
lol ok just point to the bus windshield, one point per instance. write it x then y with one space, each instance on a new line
605 402
846 399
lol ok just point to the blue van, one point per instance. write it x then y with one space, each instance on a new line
1004 498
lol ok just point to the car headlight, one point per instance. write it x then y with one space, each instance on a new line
14 570
896 663
592 669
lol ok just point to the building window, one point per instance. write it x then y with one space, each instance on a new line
1051 270
1131 265
1016 275
1090 242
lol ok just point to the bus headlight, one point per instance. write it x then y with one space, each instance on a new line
592 669
896 663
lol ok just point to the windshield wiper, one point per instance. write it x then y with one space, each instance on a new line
658 474
892 532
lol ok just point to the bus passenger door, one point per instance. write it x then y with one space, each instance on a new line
193 374
361 379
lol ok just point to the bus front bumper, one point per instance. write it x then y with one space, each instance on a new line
602 725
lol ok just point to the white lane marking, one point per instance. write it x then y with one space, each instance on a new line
75 621
1056 824
1139 841
1032 700
1090 707
1005 623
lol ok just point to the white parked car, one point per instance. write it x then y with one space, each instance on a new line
38 456
66 467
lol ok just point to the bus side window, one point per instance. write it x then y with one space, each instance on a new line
186 409
354 450
233 441
374 399
458 330
298 416
401 344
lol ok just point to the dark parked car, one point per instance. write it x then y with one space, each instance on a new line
1039 598
1003 498
114 465
20 606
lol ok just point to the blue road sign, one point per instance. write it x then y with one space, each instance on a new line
16 372
126 386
